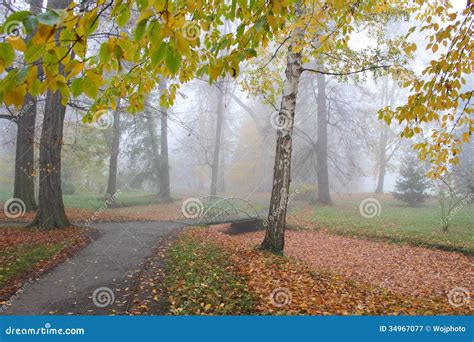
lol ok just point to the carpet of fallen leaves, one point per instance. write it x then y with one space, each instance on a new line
151 296
152 212
408 270
306 285
72 240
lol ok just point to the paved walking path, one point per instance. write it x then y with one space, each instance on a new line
108 266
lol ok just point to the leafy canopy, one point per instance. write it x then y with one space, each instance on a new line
183 39
439 109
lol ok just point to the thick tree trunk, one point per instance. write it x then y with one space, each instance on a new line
114 154
275 231
151 125
322 144
217 143
51 213
165 191
24 186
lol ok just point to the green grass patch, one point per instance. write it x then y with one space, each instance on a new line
200 280
93 201
399 223
5 194
20 258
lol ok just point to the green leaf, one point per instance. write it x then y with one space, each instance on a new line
30 23
159 54
76 87
34 52
20 77
104 53
17 16
232 10
49 18
61 12
90 88
124 16
140 30
92 28
172 60
35 89
251 52
7 54
141 4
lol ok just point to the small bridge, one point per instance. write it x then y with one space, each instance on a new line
211 210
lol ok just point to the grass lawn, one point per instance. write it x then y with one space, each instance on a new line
201 280
396 222
26 252
18 259
94 201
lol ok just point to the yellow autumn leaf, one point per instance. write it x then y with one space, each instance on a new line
75 69
17 43
182 44
32 76
15 96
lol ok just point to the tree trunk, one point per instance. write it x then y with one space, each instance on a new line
322 144
222 159
24 186
387 98
151 125
382 160
114 154
221 185
217 143
275 231
51 213
165 192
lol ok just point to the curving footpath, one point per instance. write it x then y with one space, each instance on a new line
108 267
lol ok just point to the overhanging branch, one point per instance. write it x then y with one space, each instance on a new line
330 73
8 117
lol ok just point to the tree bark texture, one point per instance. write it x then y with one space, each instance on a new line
274 240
